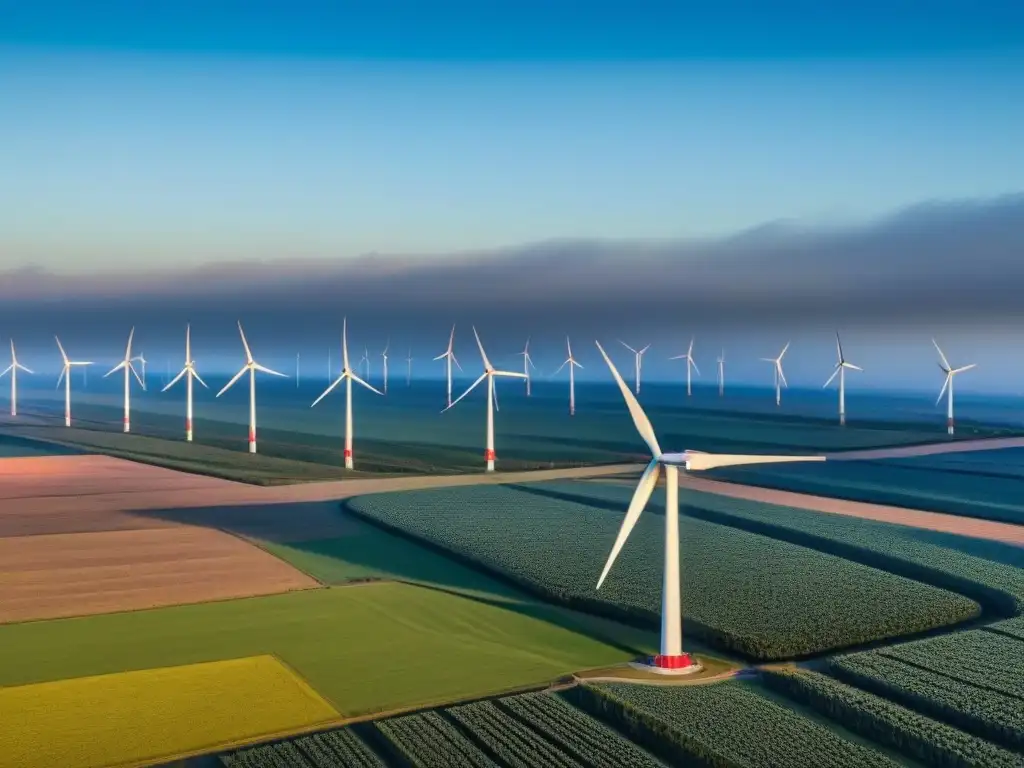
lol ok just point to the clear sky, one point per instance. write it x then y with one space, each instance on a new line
186 132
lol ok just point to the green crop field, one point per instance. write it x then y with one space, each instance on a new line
364 648
428 739
800 602
1010 627
319 750
884 722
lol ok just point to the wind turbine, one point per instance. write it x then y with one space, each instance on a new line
947 385
189 371
840 370
780 377
527 364
365 359
492 399
449 357
638 361
251 366
721 374
13 369
65 374
571 362
688 357
298 369
384 354
408 375
348 376
129 370
671 659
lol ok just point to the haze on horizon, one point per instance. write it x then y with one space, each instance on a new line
616 170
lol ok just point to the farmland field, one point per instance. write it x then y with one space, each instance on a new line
805 603
84 722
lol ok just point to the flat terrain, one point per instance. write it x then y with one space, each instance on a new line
48 576
172 711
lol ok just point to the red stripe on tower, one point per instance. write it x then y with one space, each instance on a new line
682 661
489 455
188 424
348 453
949 422
125 419
252 435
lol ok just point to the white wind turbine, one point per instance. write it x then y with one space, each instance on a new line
129 370
65 374
251 366
13 369
780 377
527 364
348 376
364 362
492 398
671 659
638 362
571 362
449 357
384 354
947 385
721 374
408 374
840 371
189 371
688 357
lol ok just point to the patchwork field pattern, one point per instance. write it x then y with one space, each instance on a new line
806 602
154 714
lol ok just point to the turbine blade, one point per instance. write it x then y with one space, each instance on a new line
830 378
370 387
644 349
509 374
248 352
442 356
344 344
330 389
128 349
487 363
60 378
964 368
115 369
26 370
494 392
188 342
640 420
694 365
839 348
196 376
472 386
7 370
627 346
641 496
945 362
137 377
264 369
560 368
456 361
678 357
852 367
175 380
943 390
576 364
782 376
61 348
783 353
697 462
232 382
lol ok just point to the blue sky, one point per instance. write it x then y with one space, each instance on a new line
192 132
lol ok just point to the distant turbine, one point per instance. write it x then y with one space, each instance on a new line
364 362
671 659
189 371
298 369
140 358
384 354
840 370
13 369
721 374
129 370
251 366
65 375
492 398
950 372
348 376
449 357
408 375
688 357
638 361
571 362
527 364
780 377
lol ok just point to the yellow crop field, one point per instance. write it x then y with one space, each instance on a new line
133 718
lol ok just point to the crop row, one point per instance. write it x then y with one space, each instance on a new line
885 722
764 598
320 750
1009 628
985 659
576 732
512 742
727 724
907 552
986 713
426 740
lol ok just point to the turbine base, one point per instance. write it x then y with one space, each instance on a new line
669 665
252 446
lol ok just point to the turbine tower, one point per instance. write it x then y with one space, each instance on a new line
129 370
449 357
408 374
638 361
384 354
13 369
348 376
65 374
671 659
571 362
721 374
189 371
688 357
492 398
527 364
947 385
840 371
780 377
251 366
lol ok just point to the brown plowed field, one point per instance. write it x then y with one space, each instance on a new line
49 576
